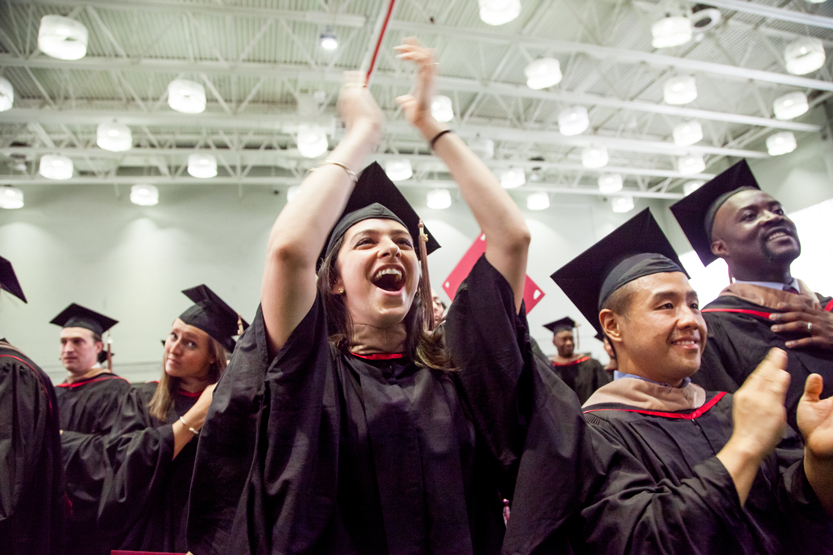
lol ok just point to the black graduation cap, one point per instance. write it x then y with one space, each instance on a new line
376 196
635 249
102 356
8 280
565 323
695 213
213 316
77 316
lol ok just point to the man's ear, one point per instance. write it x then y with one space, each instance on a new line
99 346
610 322
719 248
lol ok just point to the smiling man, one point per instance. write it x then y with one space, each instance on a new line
714 452
581 372
765 306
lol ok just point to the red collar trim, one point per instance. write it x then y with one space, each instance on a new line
189 393
91 380
758 313
690 416
582 359
829 306
380 356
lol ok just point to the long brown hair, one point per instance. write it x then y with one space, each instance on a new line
163 398
423 347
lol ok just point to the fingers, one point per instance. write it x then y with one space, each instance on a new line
789 316
813 388
795 326
404 99
354 78
799 304
771 375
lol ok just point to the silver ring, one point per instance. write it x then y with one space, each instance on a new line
809 327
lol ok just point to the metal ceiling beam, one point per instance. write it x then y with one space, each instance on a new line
612 53
771 12
288 123
389 79
220 10
289 181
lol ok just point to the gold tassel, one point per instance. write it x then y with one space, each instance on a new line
425 284
109 352
239 324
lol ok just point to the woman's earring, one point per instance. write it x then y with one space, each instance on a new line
340 291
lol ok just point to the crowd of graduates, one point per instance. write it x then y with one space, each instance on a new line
356 416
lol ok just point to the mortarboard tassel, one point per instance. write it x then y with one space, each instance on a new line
109 352
425 284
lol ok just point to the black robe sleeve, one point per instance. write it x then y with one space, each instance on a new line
32 502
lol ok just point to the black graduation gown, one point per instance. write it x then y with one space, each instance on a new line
583 375
781 516
739 339
90 406
145 497
32 501
319 451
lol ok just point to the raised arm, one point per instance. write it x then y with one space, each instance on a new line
288 289
507 237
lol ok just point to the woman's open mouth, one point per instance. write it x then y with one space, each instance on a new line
389 279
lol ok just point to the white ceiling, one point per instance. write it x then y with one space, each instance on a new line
259 59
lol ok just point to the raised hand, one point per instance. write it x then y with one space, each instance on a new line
417 105
356 104
805 317
815 420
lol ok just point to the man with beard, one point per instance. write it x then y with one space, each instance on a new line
582 373
765 306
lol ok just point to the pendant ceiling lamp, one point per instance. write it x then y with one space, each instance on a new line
498 12
538 201
690 164
610 183
441 108
482 147
622 203
543 73
11 198
439 199
679 90
790 106
781 143
399 170
115 137
53 166
202 165
186 96
144 194
62 38
688 133
312 140
804 55
691 186
512 178
671 31
573 120
594 157
6 94
328 39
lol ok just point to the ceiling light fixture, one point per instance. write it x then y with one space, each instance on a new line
573 120
691 186
186 96
790 106
11 198
679 90
312 140
484 148
780 143
53 166
439 199
6 94
328 39
704 18
622 203
144 194
512 178
115 137
594 157
399 170
671 31
610 183
538 201
687 133
203 166
690 164
804 55
543 73
441 108
62 38
498 12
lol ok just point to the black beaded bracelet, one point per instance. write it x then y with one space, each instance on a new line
438 135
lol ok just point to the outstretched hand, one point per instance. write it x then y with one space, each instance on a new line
356 104
417 105
815 418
